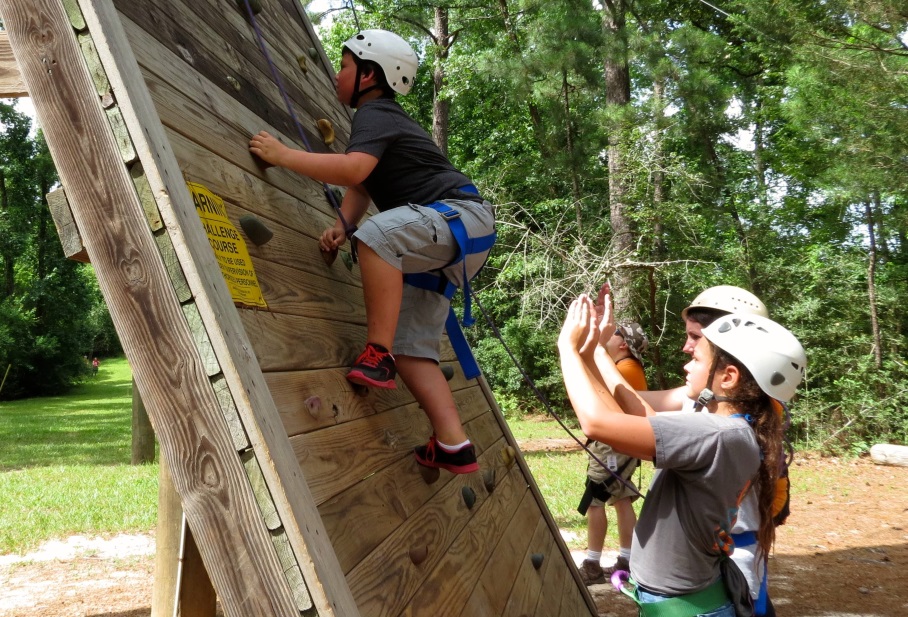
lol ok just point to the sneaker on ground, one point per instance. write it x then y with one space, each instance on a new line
620 564
433 455
591 572
374 367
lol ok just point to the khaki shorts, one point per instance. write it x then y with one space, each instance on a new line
417 239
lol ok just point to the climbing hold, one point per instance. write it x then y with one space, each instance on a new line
313 53
392 439
469 497
255 5
233 82
329 256
508 455
418 554
429 474
537 559
448 371
301 60
327 131
347 258
314 405
336 193
360 389
255 230
488 479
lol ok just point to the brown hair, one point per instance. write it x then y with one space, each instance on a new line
750 400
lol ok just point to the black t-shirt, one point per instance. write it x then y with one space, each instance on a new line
411 168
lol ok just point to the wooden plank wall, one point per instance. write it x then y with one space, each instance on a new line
340 470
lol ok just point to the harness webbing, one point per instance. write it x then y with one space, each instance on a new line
437 281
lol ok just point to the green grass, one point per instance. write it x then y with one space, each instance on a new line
64 465
561 477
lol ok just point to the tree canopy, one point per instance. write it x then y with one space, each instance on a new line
52 316
672 146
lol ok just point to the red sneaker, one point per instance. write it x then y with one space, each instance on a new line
374 367
433 455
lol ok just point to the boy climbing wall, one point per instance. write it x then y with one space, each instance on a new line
433 233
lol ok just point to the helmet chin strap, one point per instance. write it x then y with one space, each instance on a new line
357 93
706 395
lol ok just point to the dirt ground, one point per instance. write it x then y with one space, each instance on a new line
843 553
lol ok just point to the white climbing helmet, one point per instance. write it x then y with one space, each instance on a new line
770 352
389 51
729 299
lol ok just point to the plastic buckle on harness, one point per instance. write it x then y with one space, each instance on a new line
448 215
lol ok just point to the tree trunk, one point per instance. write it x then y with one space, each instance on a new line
871 287
441 107
533 109
569 141
617 101
9 270
659 187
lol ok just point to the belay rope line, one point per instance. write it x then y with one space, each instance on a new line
349 229
275 74
545 402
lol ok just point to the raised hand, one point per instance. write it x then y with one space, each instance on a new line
578 330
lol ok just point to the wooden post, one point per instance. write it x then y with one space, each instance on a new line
191 582
167 545
142 433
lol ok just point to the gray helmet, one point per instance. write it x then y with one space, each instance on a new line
770 352
389 51
728 299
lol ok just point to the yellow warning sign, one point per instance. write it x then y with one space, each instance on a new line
229 247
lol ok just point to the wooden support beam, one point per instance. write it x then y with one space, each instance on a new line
66 226
11 84
164 349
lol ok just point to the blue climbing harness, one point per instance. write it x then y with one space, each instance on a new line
437 281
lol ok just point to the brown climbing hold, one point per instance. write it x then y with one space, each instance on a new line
469 497
488 479
360 389
429 474
537 559
233 82
418 554
301 60
327 131
508 455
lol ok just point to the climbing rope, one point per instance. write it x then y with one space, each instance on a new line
279 82
545 402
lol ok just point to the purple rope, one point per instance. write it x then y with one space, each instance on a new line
348 229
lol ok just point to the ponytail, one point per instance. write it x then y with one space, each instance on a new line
755 405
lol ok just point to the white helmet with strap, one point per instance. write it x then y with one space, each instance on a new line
728 299
770 352
389 51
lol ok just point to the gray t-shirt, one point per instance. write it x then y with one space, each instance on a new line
411 168
703 462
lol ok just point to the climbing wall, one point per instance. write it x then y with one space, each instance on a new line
302 493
